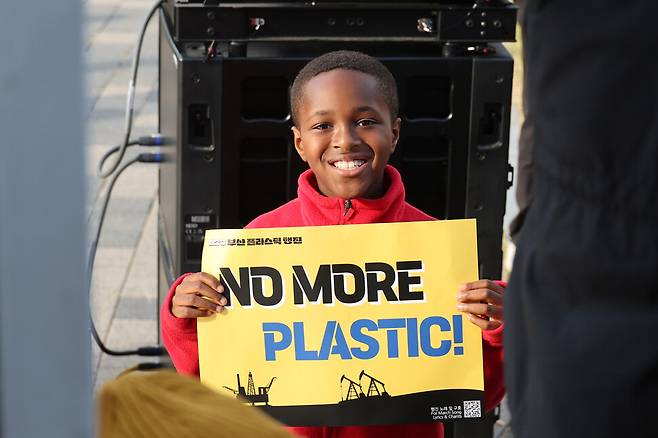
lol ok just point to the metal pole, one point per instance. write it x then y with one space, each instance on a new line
45 379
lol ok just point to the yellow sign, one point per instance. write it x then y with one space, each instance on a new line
349 324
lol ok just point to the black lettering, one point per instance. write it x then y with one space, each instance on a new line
257 285
339 272
302 286
385 285
241 291
405 280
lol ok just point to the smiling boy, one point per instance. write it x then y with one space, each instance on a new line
345 112
346 131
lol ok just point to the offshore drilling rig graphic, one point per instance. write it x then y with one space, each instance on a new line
250 395
376 389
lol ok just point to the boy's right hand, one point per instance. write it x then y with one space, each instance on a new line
199 294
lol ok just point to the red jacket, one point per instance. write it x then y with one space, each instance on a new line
312 208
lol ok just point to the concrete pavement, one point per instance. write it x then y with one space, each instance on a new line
124 288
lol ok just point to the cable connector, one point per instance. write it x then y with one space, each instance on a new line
157 350
147 140
151 366
150 157
151 140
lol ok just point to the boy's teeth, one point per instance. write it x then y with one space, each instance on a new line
348 165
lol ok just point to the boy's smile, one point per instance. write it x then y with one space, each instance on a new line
345 133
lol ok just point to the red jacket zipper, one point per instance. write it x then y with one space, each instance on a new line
347 203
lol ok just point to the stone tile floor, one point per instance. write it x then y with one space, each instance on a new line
124 287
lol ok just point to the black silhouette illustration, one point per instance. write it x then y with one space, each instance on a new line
352 393
362 401
372 387
250 395
376 389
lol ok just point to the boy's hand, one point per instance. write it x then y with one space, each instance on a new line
199 294
482 301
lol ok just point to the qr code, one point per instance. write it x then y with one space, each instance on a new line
434 411
472 409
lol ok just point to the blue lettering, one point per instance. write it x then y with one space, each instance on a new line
326 340
279 336
392 334
426 340
300 348
340 347
358 336
412 337
271 344
458 334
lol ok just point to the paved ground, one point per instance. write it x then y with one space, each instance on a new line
125 279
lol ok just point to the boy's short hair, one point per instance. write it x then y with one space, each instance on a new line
347 60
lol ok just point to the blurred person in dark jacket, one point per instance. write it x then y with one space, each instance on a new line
582 305
524 164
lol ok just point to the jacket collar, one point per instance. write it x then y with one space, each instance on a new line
318 209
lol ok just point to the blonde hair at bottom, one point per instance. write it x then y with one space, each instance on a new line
166 404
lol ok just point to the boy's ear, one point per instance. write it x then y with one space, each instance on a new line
298 143
396 133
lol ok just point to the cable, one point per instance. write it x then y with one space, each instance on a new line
149 140
130 100
112 151
142 351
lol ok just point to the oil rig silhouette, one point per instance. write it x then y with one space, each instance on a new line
250 395
376 389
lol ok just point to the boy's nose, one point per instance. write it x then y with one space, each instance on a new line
345 137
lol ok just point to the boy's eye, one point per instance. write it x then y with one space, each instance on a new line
366 122
321 126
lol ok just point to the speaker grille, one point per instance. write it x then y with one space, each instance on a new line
263 176
265 97
428 97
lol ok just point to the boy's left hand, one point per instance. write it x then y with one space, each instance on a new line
482 301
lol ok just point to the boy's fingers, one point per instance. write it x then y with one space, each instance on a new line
211 294
195 302
490 311
484 324
203 277
197 287
210 280
190 312
483 284
480 295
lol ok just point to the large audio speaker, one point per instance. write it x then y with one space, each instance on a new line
230 157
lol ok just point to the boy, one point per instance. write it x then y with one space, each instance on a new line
344 107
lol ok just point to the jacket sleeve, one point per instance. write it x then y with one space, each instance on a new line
179 336
492 356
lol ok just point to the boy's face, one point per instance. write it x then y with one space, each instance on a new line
345 133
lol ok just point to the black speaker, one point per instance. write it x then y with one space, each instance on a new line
230 156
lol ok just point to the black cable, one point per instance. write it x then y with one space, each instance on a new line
112 151
130 100
142 351
149 140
